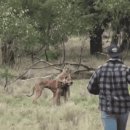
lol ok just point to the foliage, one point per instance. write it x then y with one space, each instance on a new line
53 55
16 27
117 10
31 23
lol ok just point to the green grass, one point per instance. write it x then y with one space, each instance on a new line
18 112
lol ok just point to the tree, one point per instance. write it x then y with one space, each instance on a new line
119 12
16 32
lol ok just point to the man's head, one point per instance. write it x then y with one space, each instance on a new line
114 51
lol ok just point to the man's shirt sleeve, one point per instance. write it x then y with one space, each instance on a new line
128 75
93 87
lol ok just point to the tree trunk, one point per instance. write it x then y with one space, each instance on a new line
81 52
32 56
96 40
8 56
47 59
64 52
4 54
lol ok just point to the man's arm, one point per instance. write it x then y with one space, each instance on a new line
93 85
128 75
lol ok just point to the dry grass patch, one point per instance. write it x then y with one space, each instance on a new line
18 112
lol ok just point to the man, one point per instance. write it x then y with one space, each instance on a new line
110 82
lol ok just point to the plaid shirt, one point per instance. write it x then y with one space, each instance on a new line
112 78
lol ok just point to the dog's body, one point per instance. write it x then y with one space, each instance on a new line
58 89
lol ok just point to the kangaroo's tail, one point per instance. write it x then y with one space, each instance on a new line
32 92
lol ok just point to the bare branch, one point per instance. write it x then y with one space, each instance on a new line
83 70
30 67
51 75
85 66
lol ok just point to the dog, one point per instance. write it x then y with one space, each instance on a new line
58 89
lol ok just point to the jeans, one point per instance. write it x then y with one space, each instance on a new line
114 121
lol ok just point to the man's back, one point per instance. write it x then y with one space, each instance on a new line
111 78
110 82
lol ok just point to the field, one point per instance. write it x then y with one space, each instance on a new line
17 112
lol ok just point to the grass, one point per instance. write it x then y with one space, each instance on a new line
79 113
18 112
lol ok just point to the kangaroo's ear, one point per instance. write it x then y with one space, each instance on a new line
70 71
65 68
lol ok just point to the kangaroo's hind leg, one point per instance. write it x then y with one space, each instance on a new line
38 92
58 95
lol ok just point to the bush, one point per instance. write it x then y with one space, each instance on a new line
52 55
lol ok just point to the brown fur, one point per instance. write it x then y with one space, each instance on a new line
58 88
65 76
65 72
